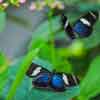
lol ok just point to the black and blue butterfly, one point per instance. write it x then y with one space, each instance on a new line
83 27
43 78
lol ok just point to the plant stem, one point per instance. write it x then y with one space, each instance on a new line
53 56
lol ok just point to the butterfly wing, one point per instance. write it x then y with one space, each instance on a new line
61 81
40 75
50 81
67 27
42 80
35 69
81 29
84 25
70 80
91 17
57 82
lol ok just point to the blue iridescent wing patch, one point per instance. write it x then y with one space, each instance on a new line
42 80
81 29
57 82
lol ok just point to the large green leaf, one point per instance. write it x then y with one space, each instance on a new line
90 86
51 95
21 72
3 80
25 90
2 20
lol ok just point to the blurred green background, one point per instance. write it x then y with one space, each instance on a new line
19 28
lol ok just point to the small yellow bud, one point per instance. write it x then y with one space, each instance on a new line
56 4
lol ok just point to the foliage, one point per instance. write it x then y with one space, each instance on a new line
90 84
16 86
27 92
3 71
24 66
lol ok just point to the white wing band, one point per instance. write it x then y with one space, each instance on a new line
36 71
84 21
92 15
66 24
65 78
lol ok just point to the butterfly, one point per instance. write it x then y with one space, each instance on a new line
43 78
83 27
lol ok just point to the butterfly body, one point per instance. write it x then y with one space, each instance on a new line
83 27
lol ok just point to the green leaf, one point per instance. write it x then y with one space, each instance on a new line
23 68
90 86
26 92
3 79
89 6
4 63
15 2
2 58
45 51
51 95
63 66
2 20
